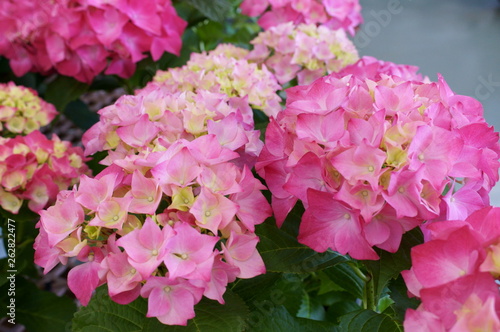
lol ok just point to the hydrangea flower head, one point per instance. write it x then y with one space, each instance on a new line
171 218
81 39
225 70
378 155
305 51
22 111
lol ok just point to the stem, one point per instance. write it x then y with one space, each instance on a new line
369 294
359 273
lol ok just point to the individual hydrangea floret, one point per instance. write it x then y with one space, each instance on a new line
225 70
336 14
456 274
81 38
34 169
373 157
22 111
172 218
305 51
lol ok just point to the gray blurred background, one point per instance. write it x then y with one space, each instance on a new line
458 38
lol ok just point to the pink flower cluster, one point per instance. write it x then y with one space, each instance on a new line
456 276
173 217
336 14
305 51
22 111
225 70
35 169
154 119
373 157
82 38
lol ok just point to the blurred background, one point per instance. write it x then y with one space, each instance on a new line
458 38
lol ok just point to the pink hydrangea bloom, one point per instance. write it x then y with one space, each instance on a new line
455 274
226 70
305 51
81 38
171 212
378 154
336 14
22 111
34 169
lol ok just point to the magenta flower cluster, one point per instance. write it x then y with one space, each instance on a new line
226 70
336 14
82 38
374 156
173 217
456 274
305 51
34 169
22 111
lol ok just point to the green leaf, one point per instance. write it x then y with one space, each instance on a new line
216 10
399 294
280 320
36 309
292 221
80 114
311 308
389 266
245 288
368 321
282 253
384 303
64 90
344 276
344 303
102 314
327 285
275 289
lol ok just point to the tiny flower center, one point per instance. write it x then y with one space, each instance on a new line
115 218
132 271
150 199
371 168
184 256
347 216
421 157
401 189
154 252
364 193
452 199
207 214
186 200
167 289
